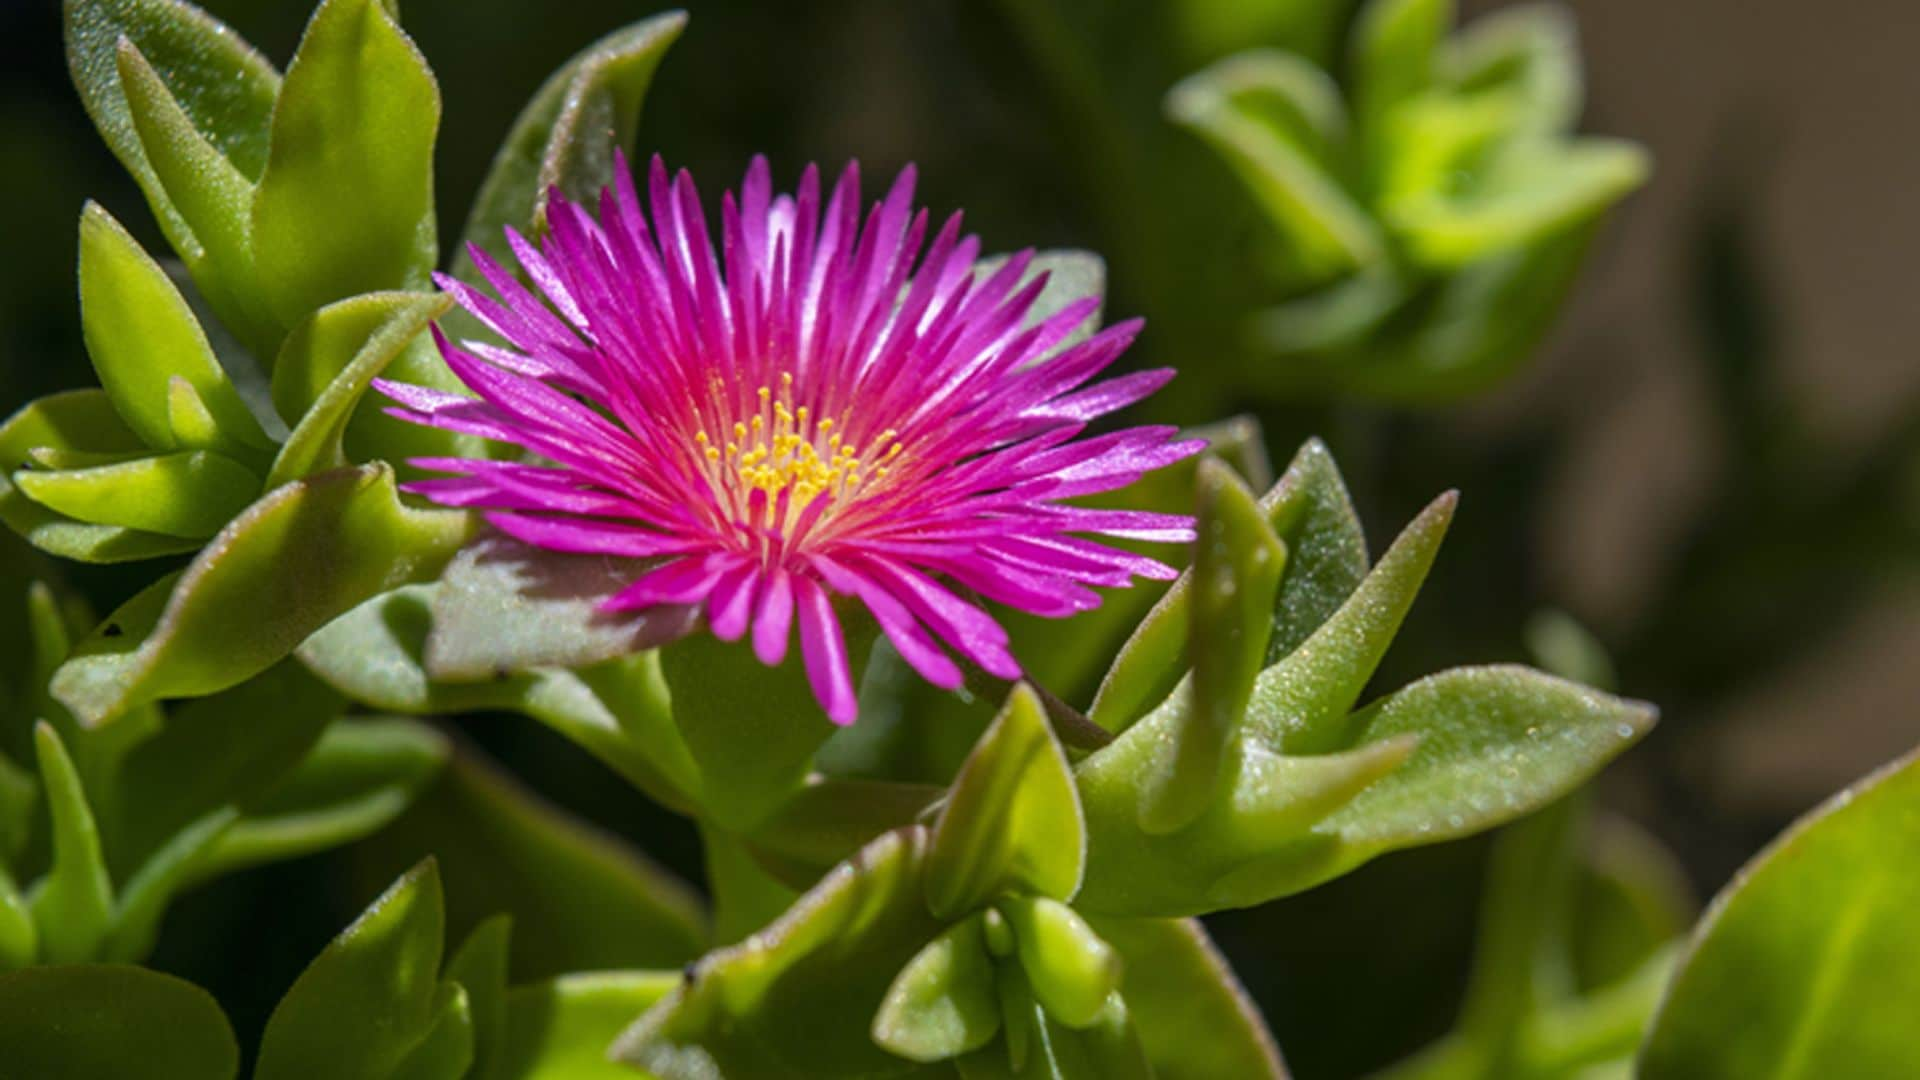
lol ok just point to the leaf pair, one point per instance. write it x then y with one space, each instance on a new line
1428 215
1255 777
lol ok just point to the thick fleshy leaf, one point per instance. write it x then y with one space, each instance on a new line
446 1051
1012 820
579 898
504 607
566 136
943 1003
73 422
101 1020
73 904
751 729
1071 970
1528 193
560 1029
370 997
237 610
223 87
362 774
617 710
326 365
189 494
142 335
1495 743
19 937
479 965
798 998
345 205
1236 572
207 192
832 817
1326 559
1107 1049
1195 1020
1803 966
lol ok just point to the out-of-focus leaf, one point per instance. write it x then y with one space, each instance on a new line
293 561
213 752
225 89
1195 1020
566 136
370 997
1495 743
1529 52
797 999
73 904
617 710
1072 275
830 818
480 967
361 775
154 884
78 421
943 1003
345 205
326 365
1803 965
1012 820
1237 566
1327 232
188 494
504 607
102 1020
1528 193
561 1029
579 898
142 335
1396 46
19 937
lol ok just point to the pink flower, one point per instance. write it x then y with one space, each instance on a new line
819 410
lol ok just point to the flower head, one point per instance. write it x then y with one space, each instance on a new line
817 410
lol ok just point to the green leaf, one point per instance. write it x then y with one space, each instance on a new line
579 898
797 999
504 606
1012 820
1236 572
190 494
235 611
617 709
73 904
1195 1020
446 1052
1528 52
152 887
223 87
326 365
82 422
214 752
1529 192
19 938
751 729
207 192
1327 232
560 1029
1071 970
361 775
346 203
566 136
1107 1049
370 997
1803 966
830 818
1326 559
100 1020
141 335
1396 47
1495 743
943 1003
480 967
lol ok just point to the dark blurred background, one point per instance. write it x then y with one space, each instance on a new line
1713 462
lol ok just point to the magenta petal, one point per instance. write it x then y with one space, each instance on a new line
773 623
825 652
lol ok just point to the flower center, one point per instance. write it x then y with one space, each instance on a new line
783 450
